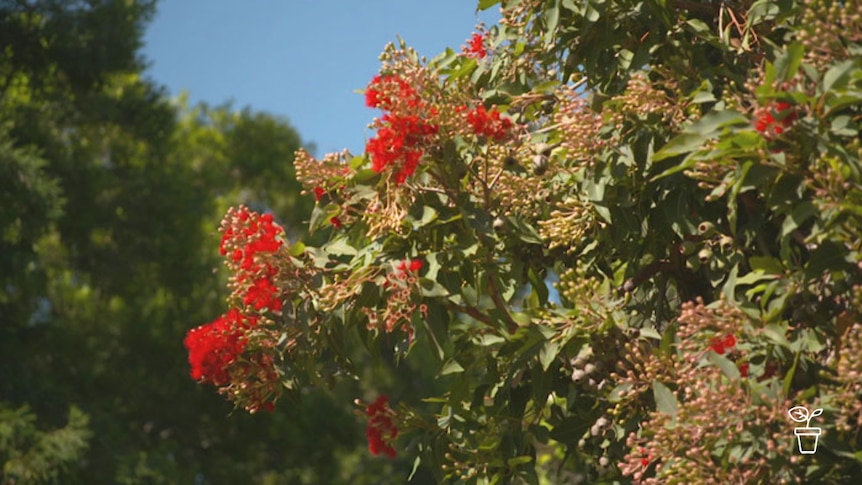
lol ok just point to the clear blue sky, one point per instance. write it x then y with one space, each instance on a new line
300 59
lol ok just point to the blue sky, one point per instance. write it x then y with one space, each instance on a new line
299 59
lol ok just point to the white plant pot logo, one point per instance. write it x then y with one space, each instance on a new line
806 437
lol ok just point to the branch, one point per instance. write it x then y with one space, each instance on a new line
473 312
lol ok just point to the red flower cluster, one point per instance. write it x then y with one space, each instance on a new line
399 142
319 192
248 234
772 122
216 345
722 344
402 131
476 47
488 124
252 239
411 266
384 92
381 430
263 293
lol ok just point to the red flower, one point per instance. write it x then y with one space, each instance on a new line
398 143
381 92
249 235
644 462
263 294
410 265
215 346
381 430
743 369
772 122
721 345
336 222
476 47
319 193
489 124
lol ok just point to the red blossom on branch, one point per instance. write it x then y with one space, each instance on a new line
319 192
381 430
252 240
385 91
399 143
215 346
773 121
720 345
475 47
489 124
410 265
263 294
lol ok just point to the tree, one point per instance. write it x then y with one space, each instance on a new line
593 224
110 197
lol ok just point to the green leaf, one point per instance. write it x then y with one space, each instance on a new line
696 134
727 367
340 247
788 63
552 18
836 77
486 4
525 231
416 462
665 401
297 249
539 286
465 69
766 264
519 460
451 367
549 353
776 333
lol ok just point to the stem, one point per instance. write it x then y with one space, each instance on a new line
471 311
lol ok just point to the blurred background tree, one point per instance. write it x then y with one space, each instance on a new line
110 200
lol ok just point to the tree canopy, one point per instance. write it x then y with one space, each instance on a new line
110 197
622 238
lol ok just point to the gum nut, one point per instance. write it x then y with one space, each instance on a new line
706 228
704 255
540 164
603 461
589 368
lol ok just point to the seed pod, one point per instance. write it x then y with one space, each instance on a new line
726 243
704 255
706 229
540 164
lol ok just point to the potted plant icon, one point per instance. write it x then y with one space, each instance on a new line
807 445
